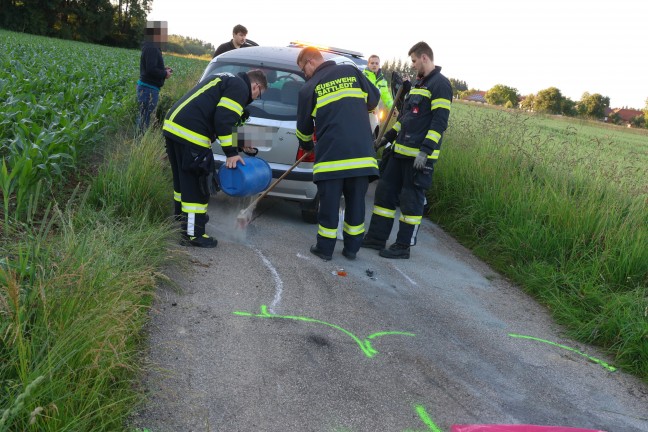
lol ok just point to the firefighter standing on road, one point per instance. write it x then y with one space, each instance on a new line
208 111
375 76
335 102
408 174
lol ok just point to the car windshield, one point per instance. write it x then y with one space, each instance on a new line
279 101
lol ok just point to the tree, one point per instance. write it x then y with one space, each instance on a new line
458 86
593 105
501 94
528 102
568 107
548 101
638 121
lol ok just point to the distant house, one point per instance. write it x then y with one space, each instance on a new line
606 113
625 115
478 96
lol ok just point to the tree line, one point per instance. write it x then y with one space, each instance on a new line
550 100
119 23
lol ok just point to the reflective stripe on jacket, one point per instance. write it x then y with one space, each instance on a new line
424 118
208 111
337 100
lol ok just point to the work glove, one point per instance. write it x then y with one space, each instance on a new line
382 143
307 145
420 161
245 116
202 162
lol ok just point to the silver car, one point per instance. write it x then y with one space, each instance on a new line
272 124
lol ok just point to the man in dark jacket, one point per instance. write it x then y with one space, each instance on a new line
207 112
334 104
153 73
239 40
408 173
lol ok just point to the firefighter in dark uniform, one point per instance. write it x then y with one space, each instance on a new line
408 173
334 105
207 112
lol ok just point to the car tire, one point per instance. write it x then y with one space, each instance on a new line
309 210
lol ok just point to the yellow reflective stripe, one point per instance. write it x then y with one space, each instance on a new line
434 155
193 96
187 134
397 126
194 207
327 232
225 140
384 212
441 103
421 91
345 164
230 104
433 135
177 196
412 220
407 151
303 136
353 230
337 95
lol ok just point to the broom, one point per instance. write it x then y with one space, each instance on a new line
245 215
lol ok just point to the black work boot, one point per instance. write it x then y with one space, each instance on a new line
370 243
320 253
396 250
203 241
348 255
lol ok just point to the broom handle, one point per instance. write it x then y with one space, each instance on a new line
265 192
383 127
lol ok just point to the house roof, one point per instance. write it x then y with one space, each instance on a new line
627 114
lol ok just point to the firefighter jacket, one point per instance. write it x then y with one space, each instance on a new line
424 117
377 79
152 71
210 110
336 102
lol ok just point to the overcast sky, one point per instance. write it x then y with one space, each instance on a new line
598 46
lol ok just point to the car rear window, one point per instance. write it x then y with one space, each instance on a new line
279 101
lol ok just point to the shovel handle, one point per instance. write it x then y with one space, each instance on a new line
383 127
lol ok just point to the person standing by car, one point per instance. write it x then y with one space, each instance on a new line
153 73
334 104
408 173
208 111
375 76
239 39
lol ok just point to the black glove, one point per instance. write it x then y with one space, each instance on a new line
244 118
383 142
307 145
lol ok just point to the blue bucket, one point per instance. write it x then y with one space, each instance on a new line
245 180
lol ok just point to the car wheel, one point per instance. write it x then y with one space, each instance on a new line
309 210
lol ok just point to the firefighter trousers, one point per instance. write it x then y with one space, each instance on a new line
190 204
354 190
400 185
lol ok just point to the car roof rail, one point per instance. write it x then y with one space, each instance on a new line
334 50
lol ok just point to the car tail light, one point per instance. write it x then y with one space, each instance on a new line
309 158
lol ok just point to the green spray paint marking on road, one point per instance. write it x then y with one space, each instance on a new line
425 418
595 360
365 345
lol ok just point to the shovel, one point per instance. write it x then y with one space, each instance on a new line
245 215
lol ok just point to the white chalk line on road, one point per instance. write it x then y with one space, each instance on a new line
409 279
277 280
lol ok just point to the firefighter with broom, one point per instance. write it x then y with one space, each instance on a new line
207 112
334 103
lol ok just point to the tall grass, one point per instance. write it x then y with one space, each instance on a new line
74 292
558 211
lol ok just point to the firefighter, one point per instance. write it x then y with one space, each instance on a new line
334 104
208 111
417 139
375 76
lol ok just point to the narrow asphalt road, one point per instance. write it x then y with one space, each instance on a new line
260 335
